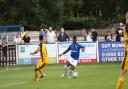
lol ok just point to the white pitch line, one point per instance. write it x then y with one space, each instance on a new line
12 84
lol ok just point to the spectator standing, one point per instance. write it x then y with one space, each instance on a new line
89 37
18 38
26 37
119 32
94 35
63 36
41 32
51 36
0 41
22 33
4 47
108 36
45 35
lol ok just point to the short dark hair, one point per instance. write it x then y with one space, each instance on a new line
74 37
41 37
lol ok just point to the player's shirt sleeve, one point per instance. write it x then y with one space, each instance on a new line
81 46
69 48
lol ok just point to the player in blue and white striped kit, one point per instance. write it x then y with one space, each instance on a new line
72 60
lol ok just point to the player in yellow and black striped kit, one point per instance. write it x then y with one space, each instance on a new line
43 61
124 65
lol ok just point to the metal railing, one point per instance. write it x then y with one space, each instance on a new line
8 55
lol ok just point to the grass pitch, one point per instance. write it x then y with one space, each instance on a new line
91 76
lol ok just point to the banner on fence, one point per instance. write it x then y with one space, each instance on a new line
24 56
88 56
110 51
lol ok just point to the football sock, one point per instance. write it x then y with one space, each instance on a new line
120 83
65 69
70 72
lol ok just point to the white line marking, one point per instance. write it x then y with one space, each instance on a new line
12 84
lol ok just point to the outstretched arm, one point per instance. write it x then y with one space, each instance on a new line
36 51
64 52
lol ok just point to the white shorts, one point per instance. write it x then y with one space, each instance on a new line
72 61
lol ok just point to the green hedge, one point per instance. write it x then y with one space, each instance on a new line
84 22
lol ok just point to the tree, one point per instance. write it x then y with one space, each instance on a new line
19 12
52 11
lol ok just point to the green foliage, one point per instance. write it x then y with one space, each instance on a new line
123 5
72 7
53 12
38 13
84 22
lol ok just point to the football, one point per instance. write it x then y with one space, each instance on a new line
75 75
